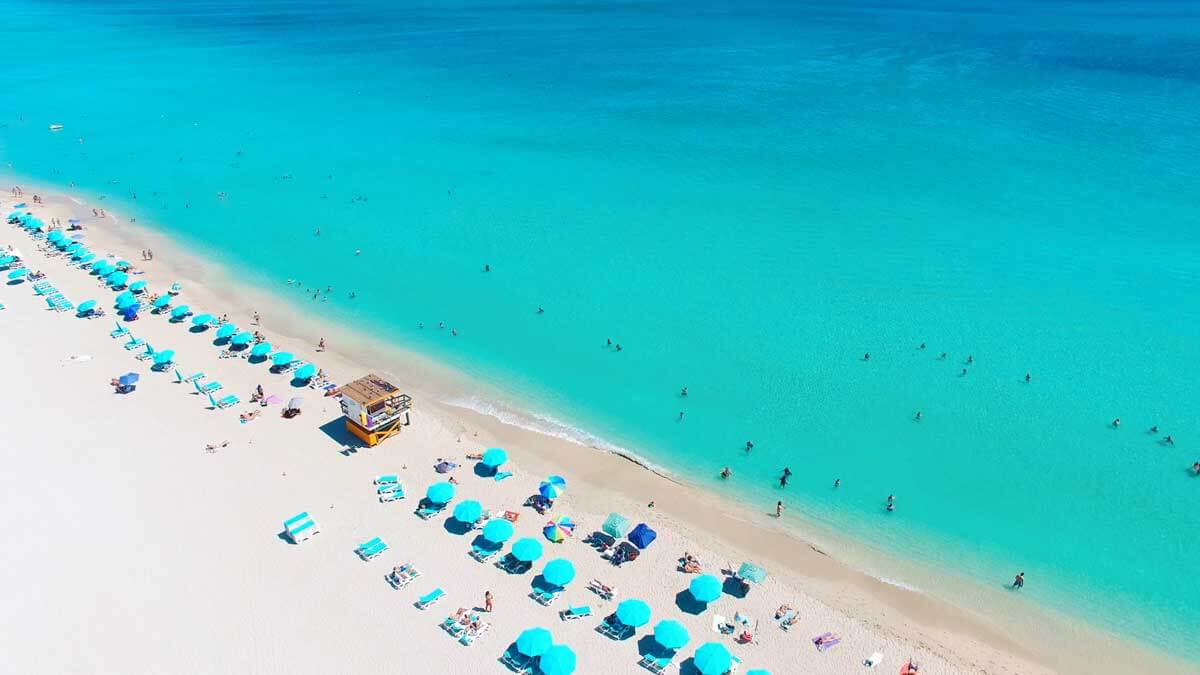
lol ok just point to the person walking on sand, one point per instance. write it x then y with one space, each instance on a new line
779 509
257 318
487 602
1019 581
321 345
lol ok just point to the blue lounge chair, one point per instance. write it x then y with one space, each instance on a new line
427 511
392 495
134 343
513 566
404 577
483 553
657 664
190 378
452 625
387 478
516 661
148 353
613 628
120 331
502 475
471 635
545 597
300 527
430 599
229 400
388 487
573 613
206 387
371 549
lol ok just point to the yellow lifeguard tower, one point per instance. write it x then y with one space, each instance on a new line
374 408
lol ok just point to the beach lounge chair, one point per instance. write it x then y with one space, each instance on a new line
483 553
206 387
388 487
612 627
230 400
403 577
300 527
513 566
63 306
387 479
470 635
190 378
369 550
603 590
826 641
454 624
147 353
516 661
574 613
427 511
657 664
119 331
430 599
545 597
734 663
393 495
134 343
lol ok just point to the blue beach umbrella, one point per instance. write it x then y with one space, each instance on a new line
203 320
73 246
14 214
242 338
559 572
127 379
534 641
86 306
440 493
126 295
468 511
125 303
162 301
550 490
79 252
180 312
107 271
87 258
226 330
261 349
558 660
165 356
7 260
497 531
616 525
18 273
527 550
138 286
670 634
98 264
494 457
118 279
305 372
712 658
123 264
633 613
55 236
705 588
752 572
282 358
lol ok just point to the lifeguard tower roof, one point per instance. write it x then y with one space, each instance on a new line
374 408
369 389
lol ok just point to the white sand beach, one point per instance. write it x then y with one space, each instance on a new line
132 548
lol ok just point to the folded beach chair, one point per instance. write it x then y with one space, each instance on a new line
573 613
119 331
826 641
516 661
483 553
230 400
471 635
206 387
300 527
134 343
387 478
369 550
190 378
657 664
430 599
612 627
393 495
388 487
603 590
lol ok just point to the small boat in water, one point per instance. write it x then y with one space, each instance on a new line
55 127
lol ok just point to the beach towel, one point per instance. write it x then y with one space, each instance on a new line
826 641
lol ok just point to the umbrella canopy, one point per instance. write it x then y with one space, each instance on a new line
226 330
261 349
559 572
56 236
751 572
527 550
128 379
551 490
494 457
7 260
670 634
163 301
86 306
440 493
180 312
558 660
712 658
123 303
122 297
203 320
497 531
165 356
138 285
87 257
282 358
642 536
468 511
18 273
616 525
305 372
118 279
129 312
123 264
73 246
559 529
14 214
705 588
242 338
295 403
107 271
534 641
633 613
78 253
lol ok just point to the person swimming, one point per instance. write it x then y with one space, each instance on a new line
617 346
1169 440
837 482
1116 423
540 310
487 268
922 346
942 357
964 373
726 473
783 477
683 392
1154 429
1028 377
749 446
918 416
867 356
970 360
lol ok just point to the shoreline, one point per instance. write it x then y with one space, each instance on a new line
602 475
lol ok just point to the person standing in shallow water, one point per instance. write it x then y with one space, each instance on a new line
779 509
1019 581
783 477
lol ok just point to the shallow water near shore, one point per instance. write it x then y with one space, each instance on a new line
747 198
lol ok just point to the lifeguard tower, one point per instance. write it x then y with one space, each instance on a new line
374 408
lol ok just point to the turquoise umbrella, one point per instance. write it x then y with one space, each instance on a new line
670 634
137 286
705 588
752 572
180 312
226 330
162 301
122 303
87 258
123 264
242 338
203 320
633 612
73 246
118 279
14 214
306 371
616 525
7 260
559 572
468 511
440 493
78 253
107 270
165 356
99 263
261 349
534 641
18 273
282 358
558 660
758 671
497 531
494 457
55 236
86 306
527 550
712 658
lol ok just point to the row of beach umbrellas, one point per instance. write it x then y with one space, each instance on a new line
711 658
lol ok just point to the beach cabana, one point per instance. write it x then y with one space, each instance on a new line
559 572
468 512
705 588
712 658
642 536
633 613
670 634
616 525
558 660
374 409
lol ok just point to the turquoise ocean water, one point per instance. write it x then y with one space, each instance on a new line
747 196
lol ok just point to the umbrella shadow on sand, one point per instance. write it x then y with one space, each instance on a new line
735 587
457 527
688 604
483 470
